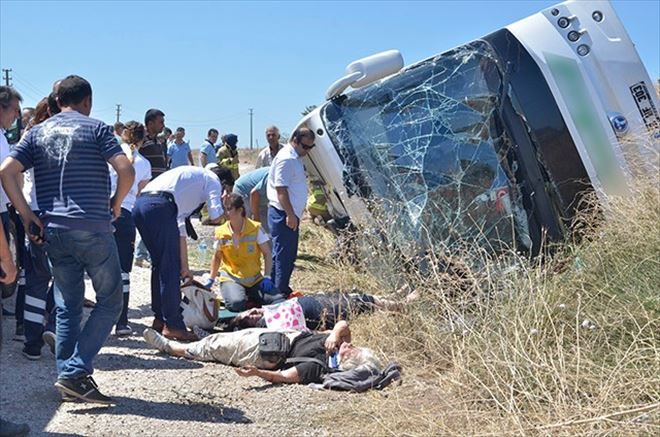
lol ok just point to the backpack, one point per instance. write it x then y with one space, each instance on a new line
199 306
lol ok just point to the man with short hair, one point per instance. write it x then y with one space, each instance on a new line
207 149
179 151
10 101
287 196
265 157
152 150
74 197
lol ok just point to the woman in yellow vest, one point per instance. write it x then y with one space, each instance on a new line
240 245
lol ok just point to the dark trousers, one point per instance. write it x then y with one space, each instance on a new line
155 218
37 285
285 249
125 239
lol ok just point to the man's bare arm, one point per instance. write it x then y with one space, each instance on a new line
288 376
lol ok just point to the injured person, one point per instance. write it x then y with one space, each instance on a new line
301 357
318 311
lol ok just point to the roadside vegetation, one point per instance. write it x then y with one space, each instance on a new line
567 344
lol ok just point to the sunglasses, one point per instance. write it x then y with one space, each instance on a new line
306 147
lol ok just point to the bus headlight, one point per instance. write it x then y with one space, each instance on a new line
583 50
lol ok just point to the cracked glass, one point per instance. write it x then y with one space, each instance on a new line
428 152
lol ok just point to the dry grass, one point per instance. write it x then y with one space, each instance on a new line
565 346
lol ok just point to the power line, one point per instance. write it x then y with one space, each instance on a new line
29 84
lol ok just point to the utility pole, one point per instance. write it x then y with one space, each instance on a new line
118 111
6 72
251 113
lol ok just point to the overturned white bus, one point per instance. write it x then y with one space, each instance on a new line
496 140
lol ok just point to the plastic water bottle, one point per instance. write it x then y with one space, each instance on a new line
202 249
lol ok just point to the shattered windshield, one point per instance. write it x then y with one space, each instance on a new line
428 151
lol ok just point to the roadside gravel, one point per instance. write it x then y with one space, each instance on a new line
155 394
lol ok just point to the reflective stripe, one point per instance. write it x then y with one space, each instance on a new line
33 317
34 302
246 239
125 275
126 288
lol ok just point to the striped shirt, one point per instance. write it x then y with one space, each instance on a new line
156 154
69 154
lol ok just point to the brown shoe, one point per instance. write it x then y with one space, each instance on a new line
182 335
158 325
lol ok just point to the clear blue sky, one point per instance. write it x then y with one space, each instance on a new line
205 63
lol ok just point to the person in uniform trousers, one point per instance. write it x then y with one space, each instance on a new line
132 140
160 215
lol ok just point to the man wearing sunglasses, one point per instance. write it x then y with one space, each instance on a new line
287 196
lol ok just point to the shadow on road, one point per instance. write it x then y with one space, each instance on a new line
193 411
111 361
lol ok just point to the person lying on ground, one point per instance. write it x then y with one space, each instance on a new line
307 360
240 246
320 311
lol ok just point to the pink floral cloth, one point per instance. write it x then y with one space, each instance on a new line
287 315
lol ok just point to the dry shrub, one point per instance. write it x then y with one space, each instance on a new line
567 344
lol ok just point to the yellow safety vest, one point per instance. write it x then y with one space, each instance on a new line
317 200
240 263
226 158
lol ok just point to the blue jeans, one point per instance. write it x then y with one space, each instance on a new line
72 253
125 239
155 218
285 249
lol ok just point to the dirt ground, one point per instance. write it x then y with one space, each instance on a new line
155 394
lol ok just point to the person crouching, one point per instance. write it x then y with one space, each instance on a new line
240 245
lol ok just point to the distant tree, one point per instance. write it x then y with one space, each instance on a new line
284 137
308 109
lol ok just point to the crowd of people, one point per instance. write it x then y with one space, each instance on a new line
80 192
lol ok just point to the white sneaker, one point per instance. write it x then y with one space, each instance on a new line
156 340
200 333
123 330
49 338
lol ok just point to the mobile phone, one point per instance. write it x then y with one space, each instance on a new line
35 230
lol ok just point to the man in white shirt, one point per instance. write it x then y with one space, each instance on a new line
287 196
160 213
265 157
